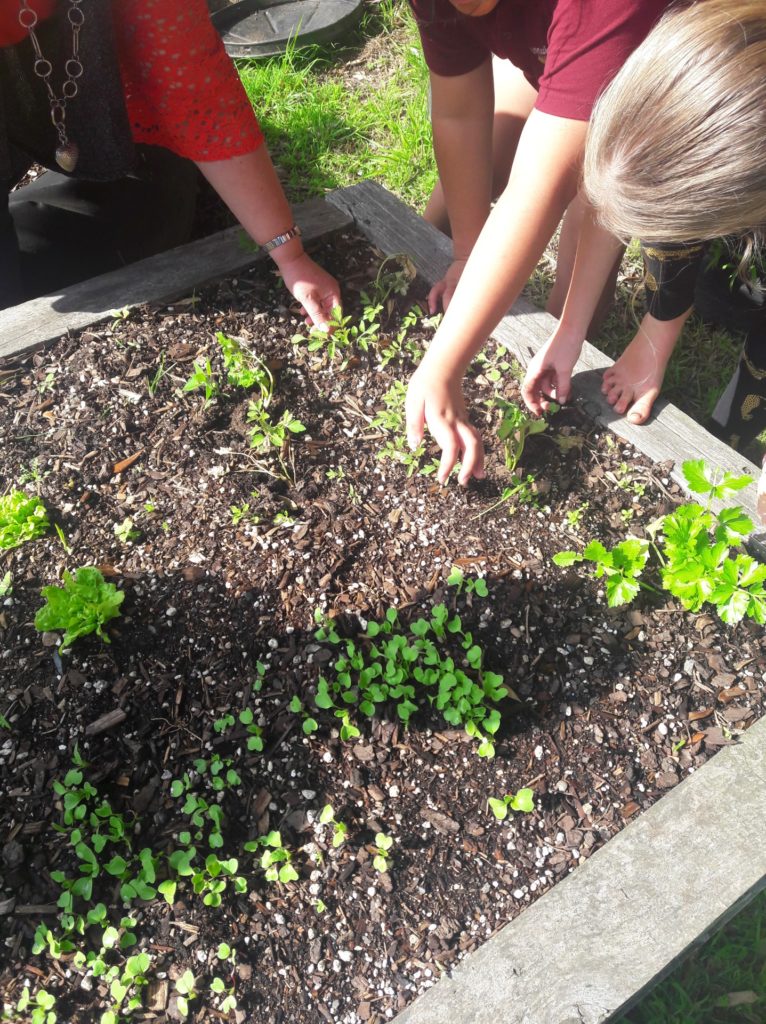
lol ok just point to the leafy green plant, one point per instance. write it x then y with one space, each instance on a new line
457 578
268 432
218 775
396 449
229 1001
125 532
40 1007
515 427
276 859
186 986
6 585
209 880
574 516
403 667
244 369
22 518
309 724
692 547
339 829
82 606
523 800
382 852
203 379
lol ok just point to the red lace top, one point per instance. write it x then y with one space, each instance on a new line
181 89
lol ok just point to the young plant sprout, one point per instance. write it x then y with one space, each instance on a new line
523 800
339 830
382 852
692 547
457 578
274 854
186 986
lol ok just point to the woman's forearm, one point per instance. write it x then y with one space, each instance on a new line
543 182
252 191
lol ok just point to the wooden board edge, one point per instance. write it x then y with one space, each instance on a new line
156 279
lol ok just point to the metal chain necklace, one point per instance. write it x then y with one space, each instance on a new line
67 151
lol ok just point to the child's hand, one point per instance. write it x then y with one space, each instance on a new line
317 291
549 373
438 401
443 290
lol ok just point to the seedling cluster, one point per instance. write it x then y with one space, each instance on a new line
410 666
692 548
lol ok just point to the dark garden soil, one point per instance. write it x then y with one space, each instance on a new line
609 707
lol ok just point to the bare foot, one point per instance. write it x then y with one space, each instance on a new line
633 383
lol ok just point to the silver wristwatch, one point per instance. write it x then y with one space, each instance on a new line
294 232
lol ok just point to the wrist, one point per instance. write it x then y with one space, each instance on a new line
288 253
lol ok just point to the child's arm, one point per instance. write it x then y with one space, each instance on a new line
462 109
549 372
542 184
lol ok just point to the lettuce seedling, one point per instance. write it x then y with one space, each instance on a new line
22 518
82 606
523 800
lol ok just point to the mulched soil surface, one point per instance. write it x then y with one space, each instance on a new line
615 706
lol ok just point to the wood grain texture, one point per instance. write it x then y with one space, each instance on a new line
670 436
156 279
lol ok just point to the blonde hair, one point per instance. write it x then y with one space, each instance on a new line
676 148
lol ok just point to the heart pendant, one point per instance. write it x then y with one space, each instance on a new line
66 156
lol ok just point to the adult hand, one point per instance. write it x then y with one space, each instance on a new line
317 291
443 290
438 402
549 374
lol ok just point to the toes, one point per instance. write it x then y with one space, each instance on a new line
641 408
623 401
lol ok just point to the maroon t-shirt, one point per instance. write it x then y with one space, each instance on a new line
567 49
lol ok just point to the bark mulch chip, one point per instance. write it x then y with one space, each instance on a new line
227 555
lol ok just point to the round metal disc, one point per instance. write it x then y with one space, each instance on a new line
259 28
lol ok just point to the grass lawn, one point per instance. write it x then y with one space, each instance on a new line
336 115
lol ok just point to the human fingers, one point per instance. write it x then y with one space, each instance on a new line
472 460
435 297
531 389
415 416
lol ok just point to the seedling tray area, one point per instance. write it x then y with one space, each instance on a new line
344 731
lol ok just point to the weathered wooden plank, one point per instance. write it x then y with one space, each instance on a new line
670 436
156 279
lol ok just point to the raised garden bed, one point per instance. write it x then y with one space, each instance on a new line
226 553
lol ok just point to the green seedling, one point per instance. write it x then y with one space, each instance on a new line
62 538
523 800
692 547
276 860
382 852
240 512
268 432
186 986
244 369
4 723
457 578
339 829
38 1008
203 379
254 732
6 585
309 724
22 518
391 419
515 427
229 1001
153 382
496 365
574 516
395 665
210 881
224 723
125 532
83 605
